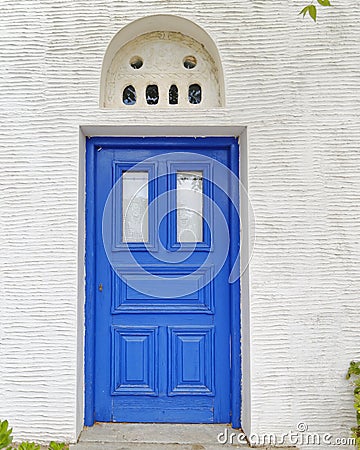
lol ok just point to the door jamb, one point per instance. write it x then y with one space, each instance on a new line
90 284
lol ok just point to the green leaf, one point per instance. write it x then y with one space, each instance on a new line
324 2
354 369
304 10
5 434
312 12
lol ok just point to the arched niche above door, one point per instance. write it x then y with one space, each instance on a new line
152 63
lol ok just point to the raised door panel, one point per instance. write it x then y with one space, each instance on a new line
191 360
134 360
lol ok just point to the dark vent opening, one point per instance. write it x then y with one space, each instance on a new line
173 95
189 62
129 95
194 94
152 94
136 62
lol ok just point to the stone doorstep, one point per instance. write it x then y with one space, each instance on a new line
122 436
133 446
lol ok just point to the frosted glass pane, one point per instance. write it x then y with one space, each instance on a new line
134 206
189 206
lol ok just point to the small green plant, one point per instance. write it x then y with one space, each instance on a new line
354 371
5 435
6 440
28 446
55 446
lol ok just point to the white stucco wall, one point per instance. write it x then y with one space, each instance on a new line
295 86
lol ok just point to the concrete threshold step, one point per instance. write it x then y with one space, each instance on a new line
149 436
145 446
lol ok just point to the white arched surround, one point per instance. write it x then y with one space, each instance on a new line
174 27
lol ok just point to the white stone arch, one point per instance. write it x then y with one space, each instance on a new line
178 34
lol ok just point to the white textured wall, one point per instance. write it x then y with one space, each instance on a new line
295 85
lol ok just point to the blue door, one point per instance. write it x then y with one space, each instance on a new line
163 326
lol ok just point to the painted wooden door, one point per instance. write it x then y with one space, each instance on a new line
162 310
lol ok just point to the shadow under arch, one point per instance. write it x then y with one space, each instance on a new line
161 22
